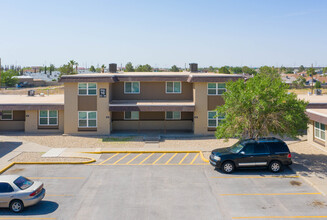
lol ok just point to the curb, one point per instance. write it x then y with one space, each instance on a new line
143 151
91 160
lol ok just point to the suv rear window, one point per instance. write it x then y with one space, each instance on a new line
278 147
23 183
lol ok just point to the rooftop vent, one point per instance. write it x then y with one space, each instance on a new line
193 67
113 68
31 92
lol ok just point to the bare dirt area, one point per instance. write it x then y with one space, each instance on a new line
53 90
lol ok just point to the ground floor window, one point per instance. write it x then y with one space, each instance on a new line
173 115
132 115
87 119
319 131
48 117
6 115
214 121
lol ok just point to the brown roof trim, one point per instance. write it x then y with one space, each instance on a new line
150 78
32 107
316 117
151 108
316 105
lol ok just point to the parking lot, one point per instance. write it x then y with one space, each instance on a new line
152 190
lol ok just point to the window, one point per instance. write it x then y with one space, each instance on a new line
261 148
87 88
132 87
5 188
48 117
216 88
214 121
173 115
87 119
248 149
23 183
132 115
277 147
173 87
319 131
6 115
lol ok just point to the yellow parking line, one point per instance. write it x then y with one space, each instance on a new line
196 156
268 194
180 162
134 158
252 217
108 159
146 158
171 158
254 177
158 158
43 178
121 158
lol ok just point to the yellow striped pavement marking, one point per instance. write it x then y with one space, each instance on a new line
180 162
158 159
121 158
171 158
134 158
108 159
146 159
196 156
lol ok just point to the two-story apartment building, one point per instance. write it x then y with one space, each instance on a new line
127 101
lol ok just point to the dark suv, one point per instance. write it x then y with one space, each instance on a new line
265 152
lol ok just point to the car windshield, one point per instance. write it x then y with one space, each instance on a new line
23 183
236 148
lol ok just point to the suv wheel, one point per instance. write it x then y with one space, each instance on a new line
228 167
16 206
275 166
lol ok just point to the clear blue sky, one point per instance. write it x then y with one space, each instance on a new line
164 32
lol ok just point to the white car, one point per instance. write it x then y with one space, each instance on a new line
17 192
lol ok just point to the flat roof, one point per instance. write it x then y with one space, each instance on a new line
318 111
318 115
313 98
37 102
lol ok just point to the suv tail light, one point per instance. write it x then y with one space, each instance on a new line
289 155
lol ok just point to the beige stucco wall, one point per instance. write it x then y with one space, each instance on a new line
32 120
103 113
310 132
201 109
71 108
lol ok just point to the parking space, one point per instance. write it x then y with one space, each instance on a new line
154 158
167 192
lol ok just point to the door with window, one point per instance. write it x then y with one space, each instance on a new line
261 154
5 194
246 156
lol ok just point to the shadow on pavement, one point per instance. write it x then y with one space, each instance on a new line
310 164
257 171
7 147
42 208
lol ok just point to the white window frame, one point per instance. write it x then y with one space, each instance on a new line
87 119
319 131
217 89
11 113
132 119
87 89
131 92
48 118
173 92
216 118
179 118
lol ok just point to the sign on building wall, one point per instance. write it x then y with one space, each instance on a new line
102 93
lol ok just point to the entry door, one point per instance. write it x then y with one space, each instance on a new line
247 159
261 153
6 194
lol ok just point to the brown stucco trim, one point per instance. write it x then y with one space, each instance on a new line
18 115
150 78
48 127
87 129
212 129
317 118
151 108
214 101
32 107
316 105
87 103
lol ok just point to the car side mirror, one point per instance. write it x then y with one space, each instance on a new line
242 152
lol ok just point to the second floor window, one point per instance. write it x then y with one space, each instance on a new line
132 115
173 87
6 115
216 88
132 87
48 117
87 88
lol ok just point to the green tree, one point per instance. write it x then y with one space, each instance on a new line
211 69
45 70
51 68
102 68
301 68
270 71
98 70
144 68
260 107
282 69
299 83
92 69
129 67
324 70
289 70
237 70
174 69
248 70
8 79
224 69
73 63
318 85
66 69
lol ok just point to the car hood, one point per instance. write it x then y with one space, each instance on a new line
221 151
